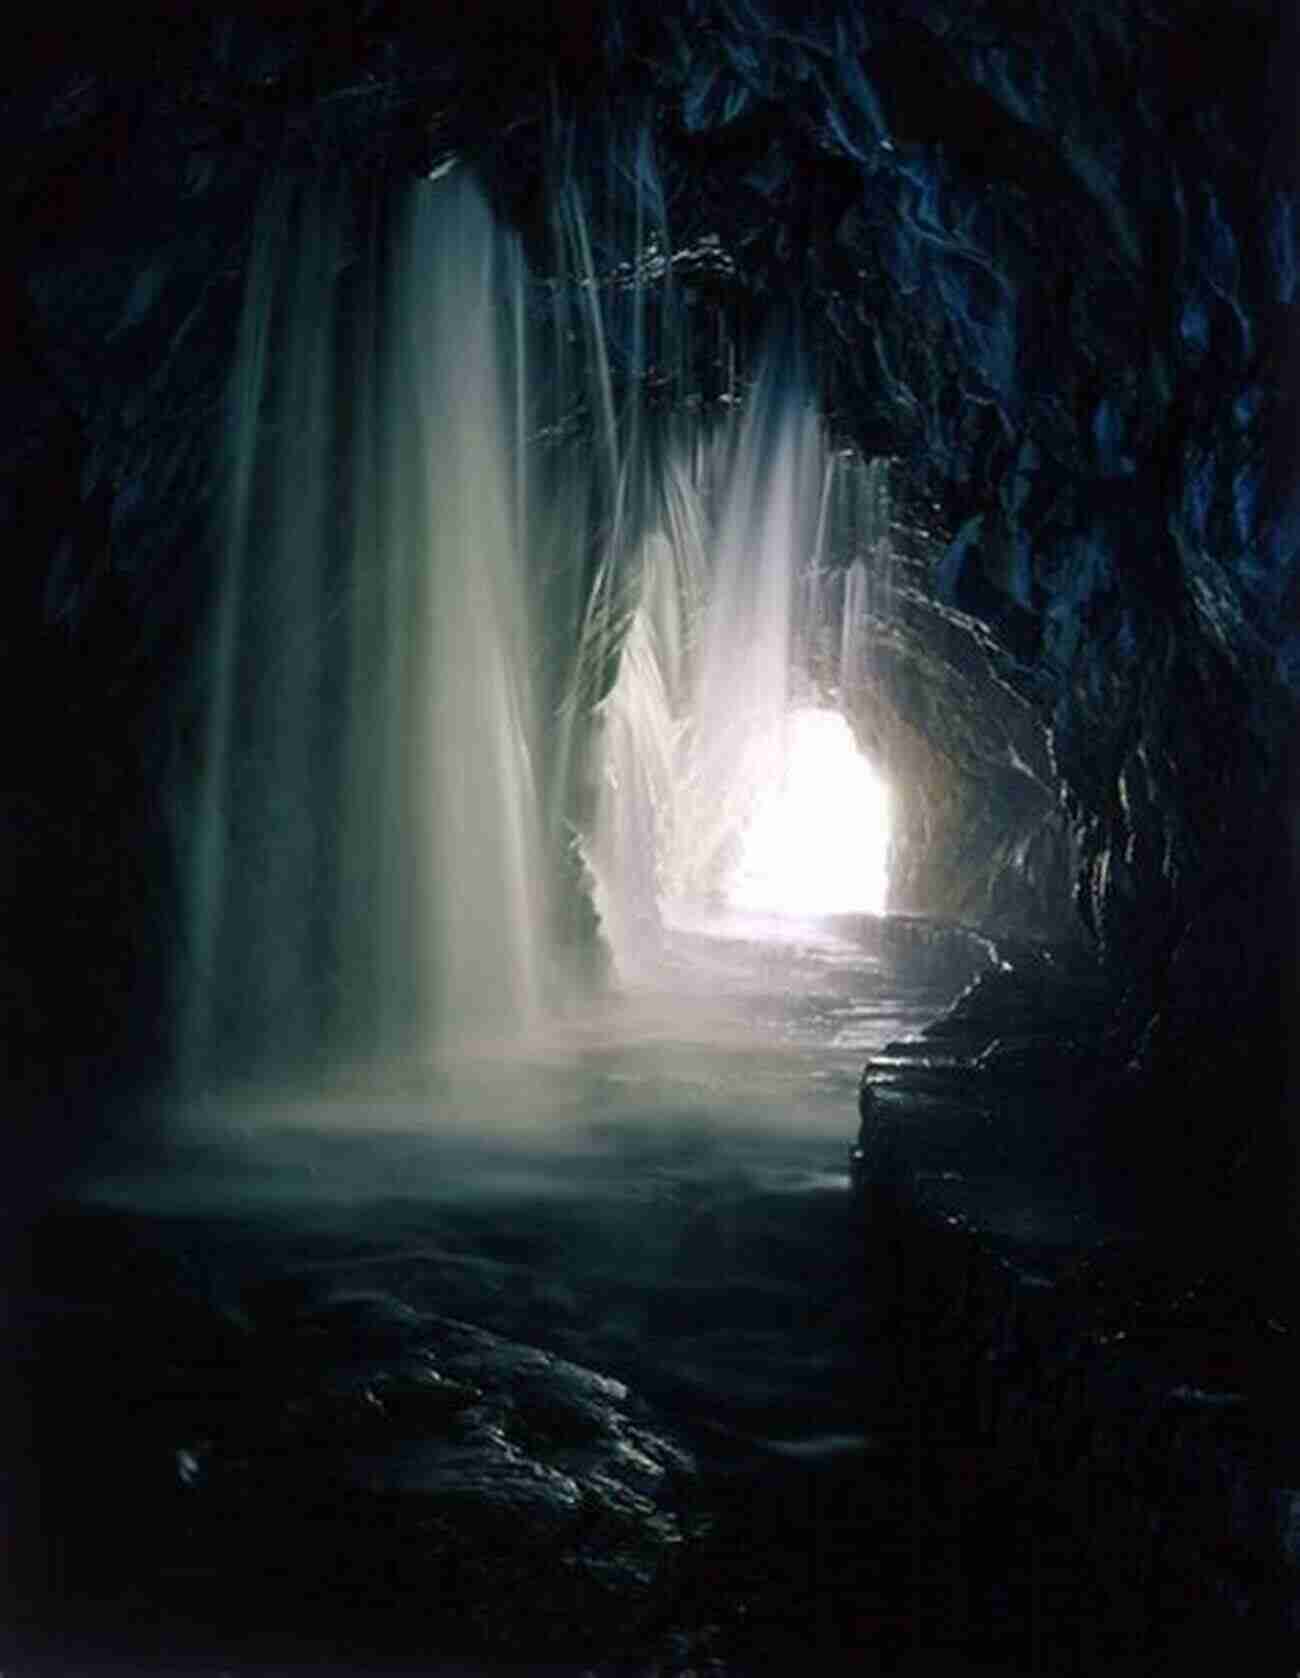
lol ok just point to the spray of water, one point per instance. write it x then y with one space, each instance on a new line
368 871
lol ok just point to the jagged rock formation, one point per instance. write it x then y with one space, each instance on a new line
333 1457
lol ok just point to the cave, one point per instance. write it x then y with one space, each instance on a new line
650 906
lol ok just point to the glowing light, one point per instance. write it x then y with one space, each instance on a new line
818 841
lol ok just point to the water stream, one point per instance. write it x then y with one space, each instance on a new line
367 873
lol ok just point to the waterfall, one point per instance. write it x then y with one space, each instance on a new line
860 514
367 869
210 847
722 748
462 609
744 664
637 830
480 821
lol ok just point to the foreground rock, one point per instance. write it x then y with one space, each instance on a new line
1106 1386
332 1464
1007 1084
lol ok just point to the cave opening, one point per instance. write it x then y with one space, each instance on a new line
818 842
728 773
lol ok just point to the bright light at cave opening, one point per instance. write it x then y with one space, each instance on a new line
818 842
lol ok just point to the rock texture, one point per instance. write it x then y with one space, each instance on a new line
336 1462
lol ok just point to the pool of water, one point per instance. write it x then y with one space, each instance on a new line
655 1185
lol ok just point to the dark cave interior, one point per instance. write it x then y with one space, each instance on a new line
1041 269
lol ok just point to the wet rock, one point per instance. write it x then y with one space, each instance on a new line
342 1465
1069 1417
485 1455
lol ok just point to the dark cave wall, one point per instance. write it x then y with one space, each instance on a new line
1046 262
1054 273
1051 262
981 835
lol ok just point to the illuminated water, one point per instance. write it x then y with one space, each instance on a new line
388 783
726 770
366 865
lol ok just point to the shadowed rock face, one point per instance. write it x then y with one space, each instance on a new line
1046 262
329 1457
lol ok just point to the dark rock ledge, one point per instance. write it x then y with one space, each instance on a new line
1082 1358
334 1470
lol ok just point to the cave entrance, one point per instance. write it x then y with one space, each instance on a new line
729 782
818 840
